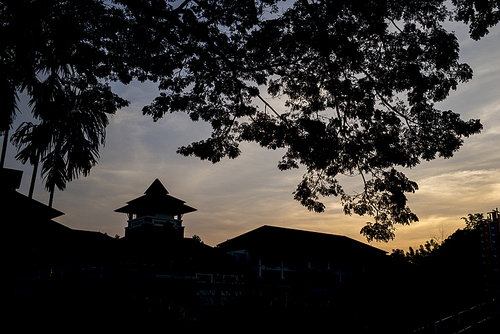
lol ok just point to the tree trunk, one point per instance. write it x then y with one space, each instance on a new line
51 196
54 168
33 176
4 147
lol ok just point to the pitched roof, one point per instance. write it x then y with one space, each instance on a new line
19 204
157 199
156 189
280 241
11 178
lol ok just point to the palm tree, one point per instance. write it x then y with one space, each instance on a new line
60 63
73 116
27 138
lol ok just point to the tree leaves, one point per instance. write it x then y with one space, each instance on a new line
359 81
479 14
73 118
360 84
59 58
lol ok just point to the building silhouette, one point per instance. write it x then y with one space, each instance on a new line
155 214
490 241
51 272
296 255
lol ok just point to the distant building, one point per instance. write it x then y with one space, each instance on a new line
276 253
490 240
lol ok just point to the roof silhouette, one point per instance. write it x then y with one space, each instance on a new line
156 199
156 189
22 205
290 242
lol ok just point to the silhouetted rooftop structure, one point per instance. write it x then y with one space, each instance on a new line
286 241
17 204
155 214
156 199
154 262
35 243
284 252
11 178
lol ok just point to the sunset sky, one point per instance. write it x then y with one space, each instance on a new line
235 196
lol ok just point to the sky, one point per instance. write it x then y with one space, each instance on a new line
236 196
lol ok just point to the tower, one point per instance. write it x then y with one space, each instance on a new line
155 215
490 229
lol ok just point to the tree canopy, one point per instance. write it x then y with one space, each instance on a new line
360 80
446 274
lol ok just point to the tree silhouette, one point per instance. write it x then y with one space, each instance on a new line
448 277
74 116
480 15
360 80
58 58
473 221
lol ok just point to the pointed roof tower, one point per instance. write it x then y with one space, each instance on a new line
156 199
156 211
156 188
